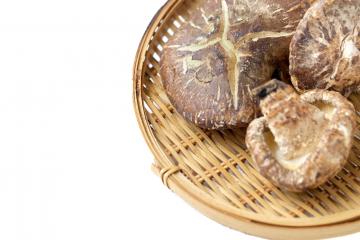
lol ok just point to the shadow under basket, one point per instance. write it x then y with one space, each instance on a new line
212 170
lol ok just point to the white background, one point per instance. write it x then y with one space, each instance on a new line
73 163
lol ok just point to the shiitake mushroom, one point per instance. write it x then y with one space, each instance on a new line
325 50
301 141
222 52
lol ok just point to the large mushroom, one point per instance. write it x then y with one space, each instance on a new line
325 50
224 50
301 141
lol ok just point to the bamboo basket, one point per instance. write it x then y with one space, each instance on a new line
212 170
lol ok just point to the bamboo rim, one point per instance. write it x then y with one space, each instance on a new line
175 178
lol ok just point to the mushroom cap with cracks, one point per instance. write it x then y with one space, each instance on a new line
301 141
325 50
221 52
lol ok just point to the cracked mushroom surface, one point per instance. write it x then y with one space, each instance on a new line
301 141
224 50
325 50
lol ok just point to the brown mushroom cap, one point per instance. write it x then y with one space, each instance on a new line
301 141
325 50
224 50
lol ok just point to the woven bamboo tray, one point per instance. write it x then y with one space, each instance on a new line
212 170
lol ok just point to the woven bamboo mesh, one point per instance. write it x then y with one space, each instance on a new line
213 171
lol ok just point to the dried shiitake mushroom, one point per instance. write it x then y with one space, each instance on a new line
301 141
325 50
221 52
